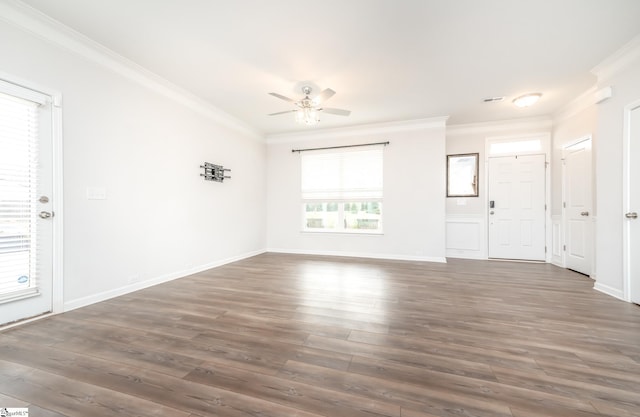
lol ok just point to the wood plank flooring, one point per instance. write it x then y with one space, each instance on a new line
308 336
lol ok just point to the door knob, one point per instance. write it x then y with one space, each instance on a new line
584 213
631 215
45 214
491 212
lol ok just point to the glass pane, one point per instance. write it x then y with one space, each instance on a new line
18 165
533 145
321 216
462 175
361 215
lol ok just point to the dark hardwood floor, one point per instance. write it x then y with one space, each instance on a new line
283 335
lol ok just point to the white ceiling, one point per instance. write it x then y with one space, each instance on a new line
387 60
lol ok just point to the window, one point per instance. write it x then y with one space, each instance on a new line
342 190
462 175
515 146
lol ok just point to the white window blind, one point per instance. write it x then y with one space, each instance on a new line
18 190
346 175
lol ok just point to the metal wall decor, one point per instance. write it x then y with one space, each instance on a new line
213 172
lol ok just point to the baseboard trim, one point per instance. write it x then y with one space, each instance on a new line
473 256
605 289
361 255
116 292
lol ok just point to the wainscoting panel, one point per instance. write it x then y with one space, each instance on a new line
466 238
557 239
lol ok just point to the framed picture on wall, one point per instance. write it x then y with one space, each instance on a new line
462 175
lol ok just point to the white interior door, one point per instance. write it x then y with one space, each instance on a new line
26 230
632 244
517 207
578 207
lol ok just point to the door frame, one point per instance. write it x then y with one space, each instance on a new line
545 139
565 149
57 284
626 190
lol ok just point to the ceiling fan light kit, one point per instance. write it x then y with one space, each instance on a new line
308 109
307 116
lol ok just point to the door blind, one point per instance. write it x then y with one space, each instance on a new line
18 191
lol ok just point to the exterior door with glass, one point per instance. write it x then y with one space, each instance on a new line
632 209
26 229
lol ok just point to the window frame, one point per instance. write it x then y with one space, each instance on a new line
345 198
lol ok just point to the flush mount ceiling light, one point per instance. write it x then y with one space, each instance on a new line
527 99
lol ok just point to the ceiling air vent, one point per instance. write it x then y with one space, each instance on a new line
492 99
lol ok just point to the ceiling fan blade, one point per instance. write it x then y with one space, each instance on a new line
281 97
281 112
339 112
324 96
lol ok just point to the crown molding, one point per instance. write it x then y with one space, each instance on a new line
530 123
618 61
359 130
577 105
37 23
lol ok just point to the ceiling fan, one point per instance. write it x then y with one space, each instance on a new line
308 109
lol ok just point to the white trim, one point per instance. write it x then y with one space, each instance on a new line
37 23
626 203
557 240
438 259
19 295
25 93
605 289
618 61
96 298
360 130
57 300
25 321
529 124
578 143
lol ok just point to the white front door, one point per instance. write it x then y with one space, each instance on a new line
517 207
26 231
578 208
632 245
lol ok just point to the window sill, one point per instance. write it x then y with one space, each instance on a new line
331 232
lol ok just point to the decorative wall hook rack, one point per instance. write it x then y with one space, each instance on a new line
213 172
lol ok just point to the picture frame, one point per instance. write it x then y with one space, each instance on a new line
462 175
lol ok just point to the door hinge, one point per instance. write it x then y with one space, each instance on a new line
564 248
564 204
545 207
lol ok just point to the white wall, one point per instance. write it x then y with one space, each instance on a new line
626 89
160 220
414 192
